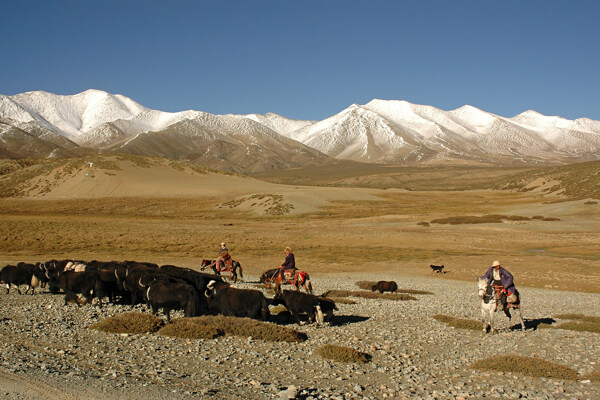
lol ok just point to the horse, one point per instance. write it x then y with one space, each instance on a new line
234 269
291 277
490 298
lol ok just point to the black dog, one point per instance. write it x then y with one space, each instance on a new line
436 268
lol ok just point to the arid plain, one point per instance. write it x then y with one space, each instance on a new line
346 223
116 208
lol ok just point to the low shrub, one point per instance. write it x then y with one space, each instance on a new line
185 329
368 295
544 326
592 376
591 202
342 354
579 317
131 322
580 323
487 219
530 366
423 223
459 323
242 327
470 219
365 285
580 326
516 218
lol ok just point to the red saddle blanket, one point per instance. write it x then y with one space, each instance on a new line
227 266
293 276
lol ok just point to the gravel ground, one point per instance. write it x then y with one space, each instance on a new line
47 350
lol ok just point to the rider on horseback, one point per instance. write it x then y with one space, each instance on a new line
224 257
288 264
500 277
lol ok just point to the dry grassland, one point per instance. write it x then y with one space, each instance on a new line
346 237
331 229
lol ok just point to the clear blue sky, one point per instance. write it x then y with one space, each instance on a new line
309 59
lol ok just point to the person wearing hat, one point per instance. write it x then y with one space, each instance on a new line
223 258
501 277
289 263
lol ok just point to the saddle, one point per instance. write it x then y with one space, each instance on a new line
511 301
227 266
289 275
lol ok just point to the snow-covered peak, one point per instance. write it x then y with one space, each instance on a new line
403 113
282 125
76 114
472 117
381 130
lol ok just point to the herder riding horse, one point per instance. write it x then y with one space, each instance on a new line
491 301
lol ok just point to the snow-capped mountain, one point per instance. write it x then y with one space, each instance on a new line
379 131
398 131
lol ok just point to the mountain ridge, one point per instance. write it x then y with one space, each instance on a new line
383 131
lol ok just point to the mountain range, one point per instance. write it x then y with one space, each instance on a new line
45 125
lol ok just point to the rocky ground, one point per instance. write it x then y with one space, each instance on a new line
47 350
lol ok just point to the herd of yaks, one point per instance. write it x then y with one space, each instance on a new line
167 287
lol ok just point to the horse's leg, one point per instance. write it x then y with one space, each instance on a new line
519 317
484 318
492 311
509 316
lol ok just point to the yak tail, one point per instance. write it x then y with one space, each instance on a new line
310 287
320 317
264 312
241 271
192 308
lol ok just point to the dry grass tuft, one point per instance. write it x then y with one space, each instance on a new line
530 366
579 317
423 223
591 202
580 326
186 329
368 295
242 327
131 322
544 326
592 376
580 323
488 219
471 219
367 285
459 323
342 354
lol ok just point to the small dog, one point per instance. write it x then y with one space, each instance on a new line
436 268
